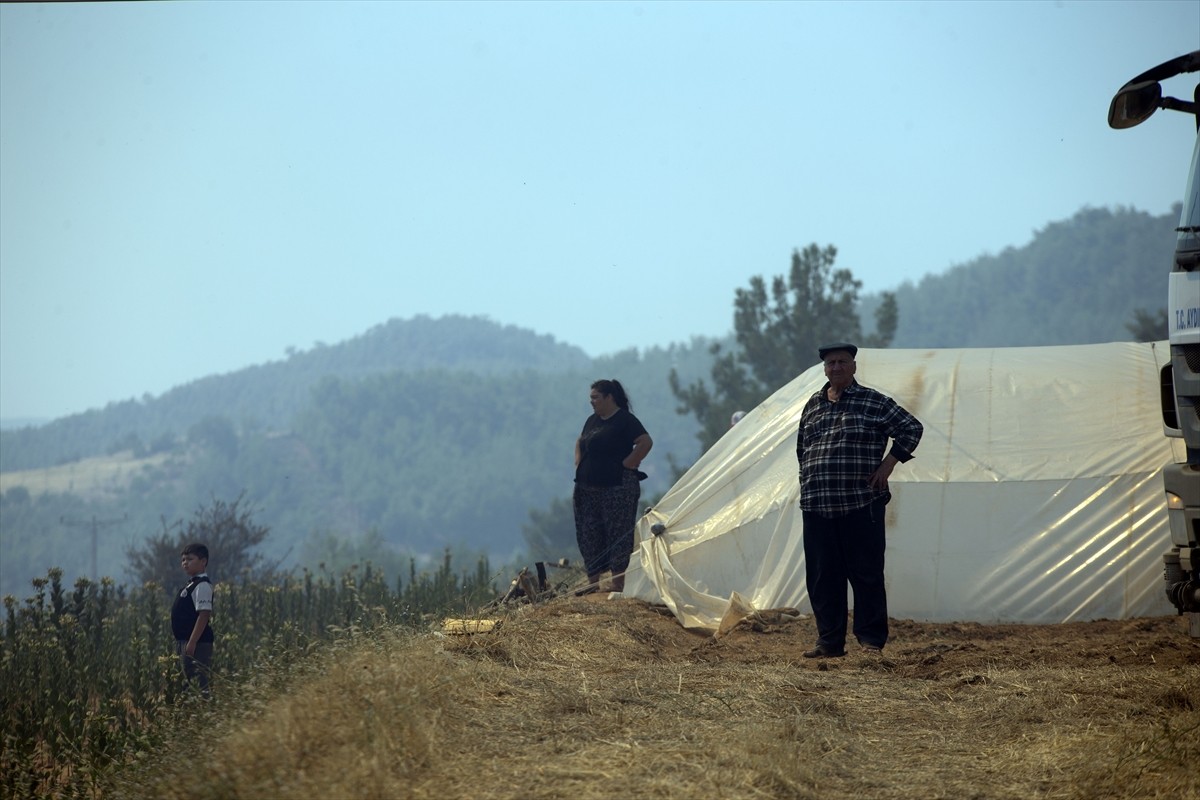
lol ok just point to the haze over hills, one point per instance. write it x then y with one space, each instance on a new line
425 433
269 395
1077 282
433 433
13 423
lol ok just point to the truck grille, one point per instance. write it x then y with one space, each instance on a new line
1191 357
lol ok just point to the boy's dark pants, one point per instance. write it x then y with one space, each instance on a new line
198 667
837 551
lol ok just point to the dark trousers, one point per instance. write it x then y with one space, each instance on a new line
196 668
604 520
843 550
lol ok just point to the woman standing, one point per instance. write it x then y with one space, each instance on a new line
607 455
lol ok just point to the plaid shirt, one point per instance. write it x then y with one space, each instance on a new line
840 444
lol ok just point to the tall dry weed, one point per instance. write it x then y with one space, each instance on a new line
589 699
358 720
90 682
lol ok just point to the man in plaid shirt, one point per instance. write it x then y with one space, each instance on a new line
844 430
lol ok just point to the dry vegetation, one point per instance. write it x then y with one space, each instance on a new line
596 698
95 478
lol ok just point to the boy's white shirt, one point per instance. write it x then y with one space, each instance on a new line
202 595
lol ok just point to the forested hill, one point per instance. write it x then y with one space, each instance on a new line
269 395
1078 281
449 451
430 433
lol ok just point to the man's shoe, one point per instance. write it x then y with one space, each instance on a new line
821 651
872 648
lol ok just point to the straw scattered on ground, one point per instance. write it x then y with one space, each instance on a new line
597 698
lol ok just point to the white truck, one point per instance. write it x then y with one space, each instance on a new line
1180 376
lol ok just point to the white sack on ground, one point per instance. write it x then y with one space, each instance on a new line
1035 495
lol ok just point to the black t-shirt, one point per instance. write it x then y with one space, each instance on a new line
603 445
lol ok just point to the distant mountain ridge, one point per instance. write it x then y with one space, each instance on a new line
433 433
1078 281
269 395
15 423
421 459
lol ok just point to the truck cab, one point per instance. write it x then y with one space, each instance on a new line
1179 377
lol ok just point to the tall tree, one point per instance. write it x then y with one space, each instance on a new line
778 333
227 529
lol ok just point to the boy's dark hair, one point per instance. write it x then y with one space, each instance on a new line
195 549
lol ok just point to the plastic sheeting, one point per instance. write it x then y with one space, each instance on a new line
1035 494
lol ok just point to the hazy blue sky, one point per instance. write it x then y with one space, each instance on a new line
190 188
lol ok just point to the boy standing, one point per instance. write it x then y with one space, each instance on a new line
190 616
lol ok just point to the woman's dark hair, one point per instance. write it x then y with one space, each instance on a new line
613 386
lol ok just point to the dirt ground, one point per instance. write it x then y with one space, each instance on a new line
926 650
591 694
595 698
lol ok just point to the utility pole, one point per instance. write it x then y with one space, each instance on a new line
95 524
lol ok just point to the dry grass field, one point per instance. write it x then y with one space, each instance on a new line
594 698
94 478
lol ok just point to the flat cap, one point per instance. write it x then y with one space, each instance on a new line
829 348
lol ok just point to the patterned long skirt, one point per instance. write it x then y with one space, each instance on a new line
604 520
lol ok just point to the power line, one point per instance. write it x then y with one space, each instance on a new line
95 524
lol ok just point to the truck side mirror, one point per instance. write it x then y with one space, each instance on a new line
1134 104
